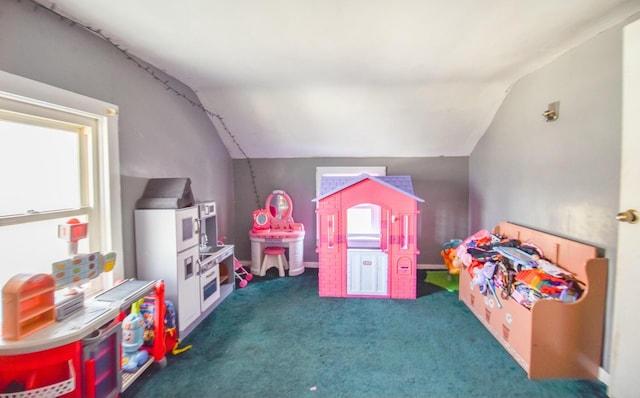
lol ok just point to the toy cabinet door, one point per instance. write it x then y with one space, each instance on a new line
188 288
101 358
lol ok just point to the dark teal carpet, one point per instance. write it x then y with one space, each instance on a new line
277 338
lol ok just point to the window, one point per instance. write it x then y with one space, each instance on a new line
58 161
363 219
347 171
363 226
46 155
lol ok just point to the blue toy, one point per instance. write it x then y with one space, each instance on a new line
132 340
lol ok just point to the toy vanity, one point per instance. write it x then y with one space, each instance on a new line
273 226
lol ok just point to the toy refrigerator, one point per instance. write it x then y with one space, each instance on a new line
167 249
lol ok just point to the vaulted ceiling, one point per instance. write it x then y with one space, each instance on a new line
352 78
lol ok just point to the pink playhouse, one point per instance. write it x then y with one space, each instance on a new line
367 237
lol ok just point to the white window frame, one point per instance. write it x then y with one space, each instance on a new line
84 129
107 170
347 171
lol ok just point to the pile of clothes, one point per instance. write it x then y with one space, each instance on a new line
516 269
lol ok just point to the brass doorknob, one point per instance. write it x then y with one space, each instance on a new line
631 216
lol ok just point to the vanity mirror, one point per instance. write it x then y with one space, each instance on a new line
280 205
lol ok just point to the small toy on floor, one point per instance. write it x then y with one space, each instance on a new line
448 254
240 273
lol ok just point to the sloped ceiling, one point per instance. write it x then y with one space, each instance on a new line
352 78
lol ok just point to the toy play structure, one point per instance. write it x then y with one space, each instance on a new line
367 237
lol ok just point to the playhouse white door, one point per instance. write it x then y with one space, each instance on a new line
367 272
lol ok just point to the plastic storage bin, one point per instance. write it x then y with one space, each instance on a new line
101 358
48 373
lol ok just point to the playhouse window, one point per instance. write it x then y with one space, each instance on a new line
363 226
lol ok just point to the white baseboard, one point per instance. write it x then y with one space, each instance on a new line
603 376
432 266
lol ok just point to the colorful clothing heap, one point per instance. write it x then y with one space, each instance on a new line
515 269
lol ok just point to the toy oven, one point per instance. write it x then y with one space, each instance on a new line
209 283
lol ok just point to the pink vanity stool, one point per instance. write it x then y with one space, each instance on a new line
274 228
274 257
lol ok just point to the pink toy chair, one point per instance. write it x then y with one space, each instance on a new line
274 257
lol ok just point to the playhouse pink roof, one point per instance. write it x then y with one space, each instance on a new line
332 184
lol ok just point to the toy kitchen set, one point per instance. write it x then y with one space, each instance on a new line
177 242
57 343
